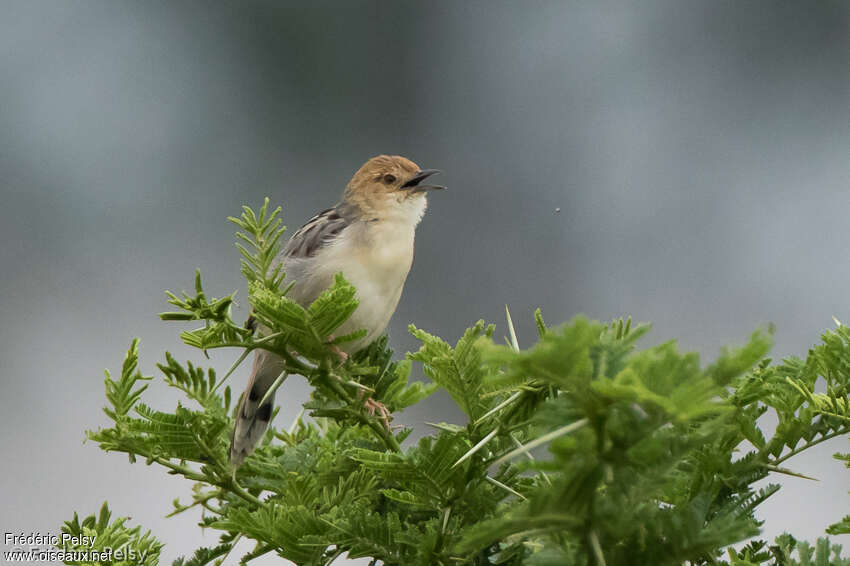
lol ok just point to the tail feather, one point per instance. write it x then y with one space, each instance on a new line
252 419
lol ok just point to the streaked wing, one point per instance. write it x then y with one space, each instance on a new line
317 232
253 419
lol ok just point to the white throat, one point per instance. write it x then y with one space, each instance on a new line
406 211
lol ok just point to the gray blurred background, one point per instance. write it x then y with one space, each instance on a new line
697 152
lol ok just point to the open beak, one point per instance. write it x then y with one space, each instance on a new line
413 183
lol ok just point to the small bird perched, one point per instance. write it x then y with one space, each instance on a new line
368 236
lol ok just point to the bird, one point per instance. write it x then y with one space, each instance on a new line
367 236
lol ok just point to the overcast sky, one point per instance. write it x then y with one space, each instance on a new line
697 152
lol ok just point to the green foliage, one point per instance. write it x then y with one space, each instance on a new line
123 394
787 551
306 331
261 234
582 449
98 540
218 328
457 370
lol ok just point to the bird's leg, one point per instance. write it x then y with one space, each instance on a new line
373 407
343 356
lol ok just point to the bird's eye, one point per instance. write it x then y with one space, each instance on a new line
389 179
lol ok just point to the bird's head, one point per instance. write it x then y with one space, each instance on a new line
389 184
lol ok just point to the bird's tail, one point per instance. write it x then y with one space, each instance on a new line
252 417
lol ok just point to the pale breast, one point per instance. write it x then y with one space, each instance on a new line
375 257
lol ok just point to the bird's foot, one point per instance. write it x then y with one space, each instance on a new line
343 356
377 408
